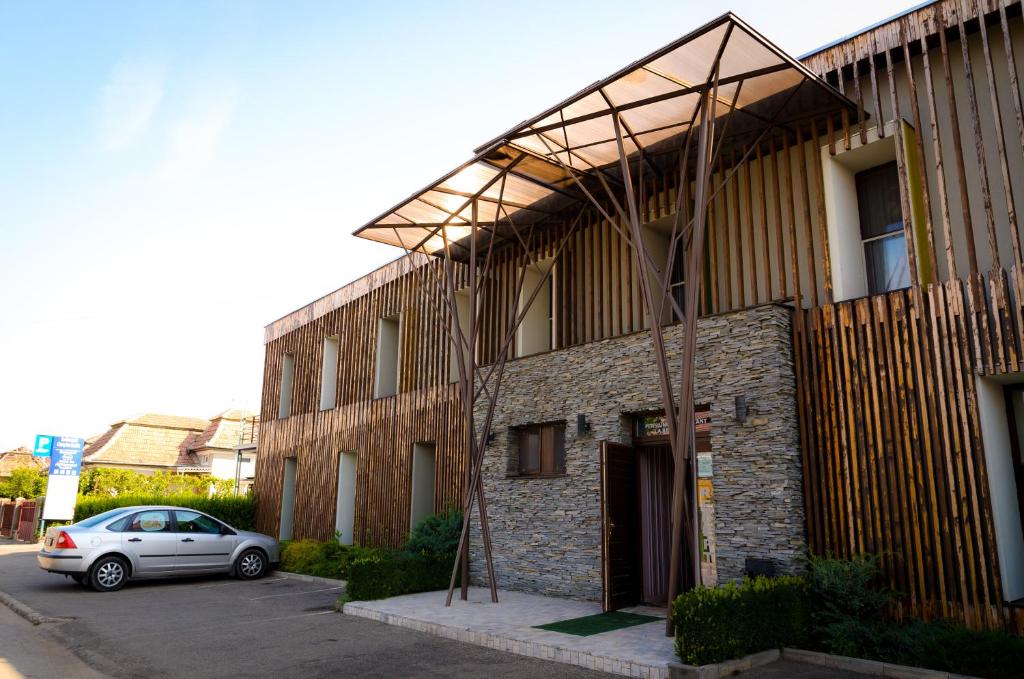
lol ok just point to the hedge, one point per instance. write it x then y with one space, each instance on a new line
386 574
718 623
238 511
323 559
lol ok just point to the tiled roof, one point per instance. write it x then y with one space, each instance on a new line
150 440
20 457
170 441
228 430
169 421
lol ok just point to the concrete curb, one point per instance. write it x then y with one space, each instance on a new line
332 582
726 668
27 612
872 667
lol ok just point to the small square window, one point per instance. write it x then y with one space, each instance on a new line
542 449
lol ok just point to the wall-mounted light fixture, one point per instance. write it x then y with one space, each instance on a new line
582 426
742 410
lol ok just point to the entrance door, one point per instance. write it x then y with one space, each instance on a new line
619 527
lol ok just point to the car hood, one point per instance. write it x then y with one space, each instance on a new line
251 535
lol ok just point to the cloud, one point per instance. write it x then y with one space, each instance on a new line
194 138
128 101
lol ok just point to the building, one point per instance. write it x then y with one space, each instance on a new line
186 445
858 371
20 458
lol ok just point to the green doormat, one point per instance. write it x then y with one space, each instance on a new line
596 624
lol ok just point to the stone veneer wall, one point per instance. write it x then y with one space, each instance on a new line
546 532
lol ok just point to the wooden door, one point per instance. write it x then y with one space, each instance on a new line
620 551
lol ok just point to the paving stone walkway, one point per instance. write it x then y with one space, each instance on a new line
640 651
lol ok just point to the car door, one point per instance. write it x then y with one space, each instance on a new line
150 540
202 543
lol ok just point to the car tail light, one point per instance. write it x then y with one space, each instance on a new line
64 541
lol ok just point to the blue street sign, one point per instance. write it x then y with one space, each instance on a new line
44 444
66 458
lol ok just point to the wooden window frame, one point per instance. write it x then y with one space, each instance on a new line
550 438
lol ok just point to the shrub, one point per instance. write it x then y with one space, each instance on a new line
237 511
323 559
718 623
113 482
846 607
26 482
950 647
387 574
436 535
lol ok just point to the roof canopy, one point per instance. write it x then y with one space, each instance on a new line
656 99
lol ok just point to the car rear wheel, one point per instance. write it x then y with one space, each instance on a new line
108 574
251 564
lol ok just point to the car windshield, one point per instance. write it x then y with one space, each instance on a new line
100 518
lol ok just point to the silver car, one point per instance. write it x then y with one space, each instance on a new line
128 543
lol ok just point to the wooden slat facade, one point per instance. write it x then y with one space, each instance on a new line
893 461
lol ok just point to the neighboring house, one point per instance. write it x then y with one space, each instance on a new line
227 447
186 445
19 458
858 352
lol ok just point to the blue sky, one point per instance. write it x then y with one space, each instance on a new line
173 176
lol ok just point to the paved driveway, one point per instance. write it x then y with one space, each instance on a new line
221 627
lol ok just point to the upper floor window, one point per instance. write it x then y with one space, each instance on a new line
537 331
881 229
464 319
542 449
284 405
329 374
388 352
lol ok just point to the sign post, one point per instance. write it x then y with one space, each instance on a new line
62 484
44 444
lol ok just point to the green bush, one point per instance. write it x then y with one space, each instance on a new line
237 511
114 482
386 574
718 623
26 482
846 607
323 559
436 535
950 647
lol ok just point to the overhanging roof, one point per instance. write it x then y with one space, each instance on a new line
655 98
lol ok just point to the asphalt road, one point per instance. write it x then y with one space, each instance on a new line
221 627
207 628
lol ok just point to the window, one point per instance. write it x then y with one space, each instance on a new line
536 333
542 449
284 407
345 502
329 374
388 342
158 521
464 320
424 456
194 522
677 282
881 229
120 525
288 499
99 518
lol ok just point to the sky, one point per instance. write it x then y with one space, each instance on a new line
176 175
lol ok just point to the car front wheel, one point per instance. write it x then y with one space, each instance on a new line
108 574
251 564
